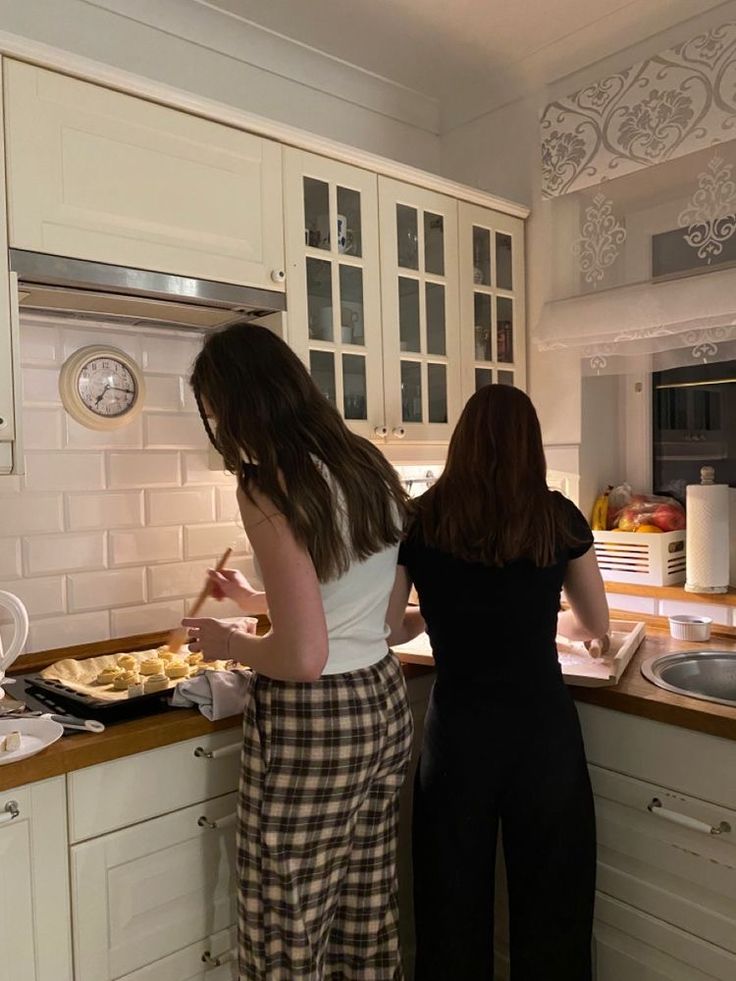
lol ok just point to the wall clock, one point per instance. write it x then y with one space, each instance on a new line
101 387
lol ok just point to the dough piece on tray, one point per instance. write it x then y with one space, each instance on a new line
123 680
195 658
107 676
136 688
176 669
156 682
128 662
151 666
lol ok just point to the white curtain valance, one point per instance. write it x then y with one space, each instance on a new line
695 316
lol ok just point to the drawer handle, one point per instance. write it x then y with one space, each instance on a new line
10 812
212 754
221 959
204 822
655 807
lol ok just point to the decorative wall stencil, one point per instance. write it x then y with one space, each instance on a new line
710 217
601 235
679 101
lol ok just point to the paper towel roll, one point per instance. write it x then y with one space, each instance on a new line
707 538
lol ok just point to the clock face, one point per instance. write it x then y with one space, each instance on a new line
107 387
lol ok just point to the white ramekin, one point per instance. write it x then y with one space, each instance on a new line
690 628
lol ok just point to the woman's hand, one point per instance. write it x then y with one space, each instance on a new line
212 637
599 646
231 584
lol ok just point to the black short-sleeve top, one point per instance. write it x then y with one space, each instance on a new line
487 624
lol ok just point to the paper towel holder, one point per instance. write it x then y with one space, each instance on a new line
707 478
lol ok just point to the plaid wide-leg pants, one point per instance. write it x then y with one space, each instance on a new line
322 767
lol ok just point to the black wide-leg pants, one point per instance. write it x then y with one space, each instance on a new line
503 758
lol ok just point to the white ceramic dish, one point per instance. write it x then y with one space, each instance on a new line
35 735
684 627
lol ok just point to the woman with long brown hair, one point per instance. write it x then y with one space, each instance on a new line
489 549
327 727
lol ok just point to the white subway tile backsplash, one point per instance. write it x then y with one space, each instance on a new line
197 471
98 590
170 355
42 597
144 545
39 344
227 504
164 392
210 541
146 619
633 604
179 579
42 429
146 469
10 564
110 509
28 514
64 470
214 608
45 554
129 436
165 430
188 400
180 506
41 385
718 614
102 335
80 628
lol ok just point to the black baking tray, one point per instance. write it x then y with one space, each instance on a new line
88 707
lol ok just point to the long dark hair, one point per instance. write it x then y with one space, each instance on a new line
491 503
269 413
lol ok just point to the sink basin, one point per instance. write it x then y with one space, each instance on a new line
710 675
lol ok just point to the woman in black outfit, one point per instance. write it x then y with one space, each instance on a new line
489 549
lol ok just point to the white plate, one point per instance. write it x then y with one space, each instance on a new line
35 735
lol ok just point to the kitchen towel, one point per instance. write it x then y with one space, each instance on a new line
217 694
707 538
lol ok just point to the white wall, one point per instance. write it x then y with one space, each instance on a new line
230 61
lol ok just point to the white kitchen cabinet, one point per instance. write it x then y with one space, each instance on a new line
96 174
420 304
35 938
11 456
151 890
492 314
334 283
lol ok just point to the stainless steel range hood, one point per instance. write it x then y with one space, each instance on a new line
93 290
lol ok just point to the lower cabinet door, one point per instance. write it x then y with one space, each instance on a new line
632 946
214 959
35 937
154 889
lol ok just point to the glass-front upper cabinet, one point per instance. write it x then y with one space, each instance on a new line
491 298
334 297
419 283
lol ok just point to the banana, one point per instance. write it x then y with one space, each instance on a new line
599 517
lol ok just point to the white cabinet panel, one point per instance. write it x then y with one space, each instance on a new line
630 945
146 892
135 788
100 175
194 962
35 936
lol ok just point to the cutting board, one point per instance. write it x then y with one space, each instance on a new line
578 667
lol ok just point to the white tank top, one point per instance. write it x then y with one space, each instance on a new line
355 608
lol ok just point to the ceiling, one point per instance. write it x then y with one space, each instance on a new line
464 52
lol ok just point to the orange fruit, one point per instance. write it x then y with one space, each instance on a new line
650 529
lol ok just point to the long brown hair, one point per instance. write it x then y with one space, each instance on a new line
491 503
269 413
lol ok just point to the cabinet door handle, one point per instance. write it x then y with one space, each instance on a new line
10 812
380 431
213 754
655 807
220 959
219 823
399 432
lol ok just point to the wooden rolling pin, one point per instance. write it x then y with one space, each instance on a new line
178 636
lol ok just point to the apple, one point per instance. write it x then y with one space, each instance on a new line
627 519
668 517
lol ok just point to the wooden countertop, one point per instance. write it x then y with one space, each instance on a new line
74 752
678 593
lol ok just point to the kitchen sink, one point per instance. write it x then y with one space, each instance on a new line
710 675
